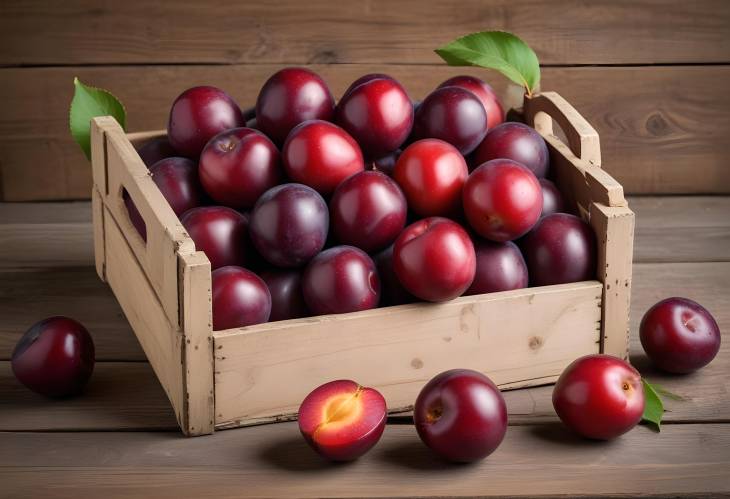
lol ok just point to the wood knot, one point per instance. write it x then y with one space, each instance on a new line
416 363
535 342
657 125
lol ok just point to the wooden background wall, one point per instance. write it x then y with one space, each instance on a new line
652 76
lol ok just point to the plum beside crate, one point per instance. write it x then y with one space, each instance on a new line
258 374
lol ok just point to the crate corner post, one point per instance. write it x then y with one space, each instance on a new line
198 415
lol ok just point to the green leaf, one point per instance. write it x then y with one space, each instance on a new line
89 102
497 50
667 394
653 408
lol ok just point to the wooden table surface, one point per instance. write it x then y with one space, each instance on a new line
120 438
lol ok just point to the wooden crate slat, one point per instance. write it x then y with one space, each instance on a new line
519 338
160 339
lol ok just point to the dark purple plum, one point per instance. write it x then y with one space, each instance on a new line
485 93
339 280
289 225
219 232
392 291
500 267
197 115
561 248
154 150
55 357
552 199
177 179
239 165
378 114
515 141
453 115
386 164
289 97
287 300
368 210
679 335
240 298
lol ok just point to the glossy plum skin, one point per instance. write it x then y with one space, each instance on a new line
368 210
239 165
177 179
287 299
484 92
219 232
55 357
434 259
154 150
560 249
290 97
342 420
518 142
461 415
431 174
240 298
321 155
340 280
599 396
378 114
502 200
500 267
679 335
392 291
289 225
454 115
197 115
364 79
552 199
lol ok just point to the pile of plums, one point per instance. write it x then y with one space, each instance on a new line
305 206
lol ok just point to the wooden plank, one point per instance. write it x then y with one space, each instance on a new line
652 141
119 396
197 324
519 338
681 228
705 392
274 461
29 296
161 340
379 31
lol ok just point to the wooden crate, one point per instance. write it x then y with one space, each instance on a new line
258 374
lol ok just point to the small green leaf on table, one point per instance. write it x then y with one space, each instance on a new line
89 102
498 50
653 408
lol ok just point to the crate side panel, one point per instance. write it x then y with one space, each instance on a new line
160 340
517 338
166 237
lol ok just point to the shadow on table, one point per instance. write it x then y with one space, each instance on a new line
416 456
293 454
557 433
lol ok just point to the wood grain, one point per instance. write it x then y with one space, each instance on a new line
350 31
410 343
653 142
29 296
119 396
274 461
